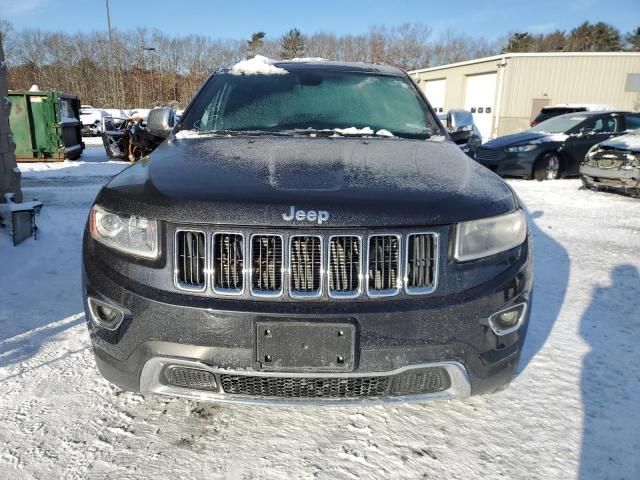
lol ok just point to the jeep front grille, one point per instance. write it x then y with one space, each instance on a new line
190 260
228 263
305 265
384 265
344 266
420 272
266 265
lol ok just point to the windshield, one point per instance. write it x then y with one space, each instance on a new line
561 124
312 100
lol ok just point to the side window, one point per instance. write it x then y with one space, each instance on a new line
608 124
633 122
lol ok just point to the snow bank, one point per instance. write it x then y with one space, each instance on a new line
257 65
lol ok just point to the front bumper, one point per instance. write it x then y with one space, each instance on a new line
615 177
163 328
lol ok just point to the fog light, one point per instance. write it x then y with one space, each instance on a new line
105 315
508 320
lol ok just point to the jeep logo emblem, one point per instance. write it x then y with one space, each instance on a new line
319 216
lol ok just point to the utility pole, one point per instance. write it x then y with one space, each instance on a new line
151 51
112 86
109 23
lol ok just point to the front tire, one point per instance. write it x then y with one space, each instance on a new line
547 167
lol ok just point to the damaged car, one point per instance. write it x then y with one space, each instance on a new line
614 164
554 148
129 138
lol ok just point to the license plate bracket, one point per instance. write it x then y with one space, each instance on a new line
305 346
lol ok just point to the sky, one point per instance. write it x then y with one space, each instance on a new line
238 19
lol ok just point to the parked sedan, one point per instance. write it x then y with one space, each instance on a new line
614 164
555 147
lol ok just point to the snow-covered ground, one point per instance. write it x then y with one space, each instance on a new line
573 411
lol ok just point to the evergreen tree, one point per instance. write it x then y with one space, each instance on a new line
633 40
292 44
256 43
520 42
553 42
599 37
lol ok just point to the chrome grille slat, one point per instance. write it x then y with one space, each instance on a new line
344 268
305 266
266 268
383 265
421 263
190 260
228 263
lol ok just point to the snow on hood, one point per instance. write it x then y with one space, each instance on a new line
188 134
363 131
257 65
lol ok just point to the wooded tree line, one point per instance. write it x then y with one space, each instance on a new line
587 37
143 67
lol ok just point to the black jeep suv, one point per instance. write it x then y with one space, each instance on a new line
307 233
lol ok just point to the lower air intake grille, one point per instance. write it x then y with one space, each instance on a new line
190 259
384 262
266 265
428 380
420 254
191 378
344 266
304 387
228 262
305 265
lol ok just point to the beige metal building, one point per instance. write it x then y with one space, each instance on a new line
505 92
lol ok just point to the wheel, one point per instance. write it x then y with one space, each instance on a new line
547 167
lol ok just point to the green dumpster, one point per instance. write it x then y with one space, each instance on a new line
45 125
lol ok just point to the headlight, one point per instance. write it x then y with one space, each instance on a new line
522 148
488 236
126 233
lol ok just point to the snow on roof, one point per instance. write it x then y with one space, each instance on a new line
592 107
257 65
305 60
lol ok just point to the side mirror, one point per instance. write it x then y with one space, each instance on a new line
460 125
459 121
161 121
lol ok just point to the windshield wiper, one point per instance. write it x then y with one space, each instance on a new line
231 133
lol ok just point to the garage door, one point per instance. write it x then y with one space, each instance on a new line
435 90
480 101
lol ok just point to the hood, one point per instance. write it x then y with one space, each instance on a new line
357 181
515 139
629 142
